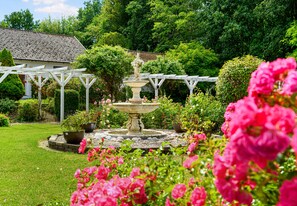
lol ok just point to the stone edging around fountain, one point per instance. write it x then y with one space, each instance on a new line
57 141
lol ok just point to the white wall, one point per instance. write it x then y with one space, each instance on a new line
48 65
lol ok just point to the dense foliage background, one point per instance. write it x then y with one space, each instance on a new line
262 28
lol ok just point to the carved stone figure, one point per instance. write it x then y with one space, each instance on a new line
137 64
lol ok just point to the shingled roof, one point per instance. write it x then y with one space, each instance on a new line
28 45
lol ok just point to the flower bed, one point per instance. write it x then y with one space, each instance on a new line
254 164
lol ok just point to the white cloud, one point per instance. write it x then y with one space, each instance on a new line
58 8
48 2
25 1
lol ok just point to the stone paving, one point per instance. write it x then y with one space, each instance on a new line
146 142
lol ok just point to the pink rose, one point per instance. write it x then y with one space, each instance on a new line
198 196
168 203
102 173
191 181
262 82
280 66
178 191
290 83
188 163
135 172
192 147
280 118
288 193
200 136
270 143
83 145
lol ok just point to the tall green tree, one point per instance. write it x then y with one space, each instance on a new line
112 18
57 26
291 39
11 87
174 22
109 64
85 17
139 25
22 20
235 28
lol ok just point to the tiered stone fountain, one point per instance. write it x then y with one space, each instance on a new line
142 138
136 107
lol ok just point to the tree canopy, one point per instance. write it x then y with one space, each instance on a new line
228 28
109 64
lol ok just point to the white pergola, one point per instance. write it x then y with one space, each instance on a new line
157 80
39 75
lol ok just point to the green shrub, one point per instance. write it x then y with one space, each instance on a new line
11 87
164 116
109 117
202 113
4 120
28 110
71 102
48 105
234 78
7 106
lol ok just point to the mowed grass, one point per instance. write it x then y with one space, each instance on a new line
30 175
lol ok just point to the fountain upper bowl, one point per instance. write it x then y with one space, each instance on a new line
136 108
136 83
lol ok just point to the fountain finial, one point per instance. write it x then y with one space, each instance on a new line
137 64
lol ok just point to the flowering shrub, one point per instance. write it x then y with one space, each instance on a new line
125 177
257 162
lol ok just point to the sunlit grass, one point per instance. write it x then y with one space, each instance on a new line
30 175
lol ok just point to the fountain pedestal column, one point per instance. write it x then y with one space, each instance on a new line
134 125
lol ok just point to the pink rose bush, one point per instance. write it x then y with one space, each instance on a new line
261 130
115 182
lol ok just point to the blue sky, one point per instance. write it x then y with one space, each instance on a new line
42 9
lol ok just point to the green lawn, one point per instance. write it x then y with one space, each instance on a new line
30 175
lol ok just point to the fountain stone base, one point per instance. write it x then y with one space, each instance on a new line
145 134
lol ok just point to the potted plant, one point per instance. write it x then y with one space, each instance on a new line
177 124
89 120
176 116
72 129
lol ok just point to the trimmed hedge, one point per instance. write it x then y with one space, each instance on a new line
234 78
4 120
28 110
71 102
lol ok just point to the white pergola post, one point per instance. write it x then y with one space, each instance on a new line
191 83
59 75
156 83
87 84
